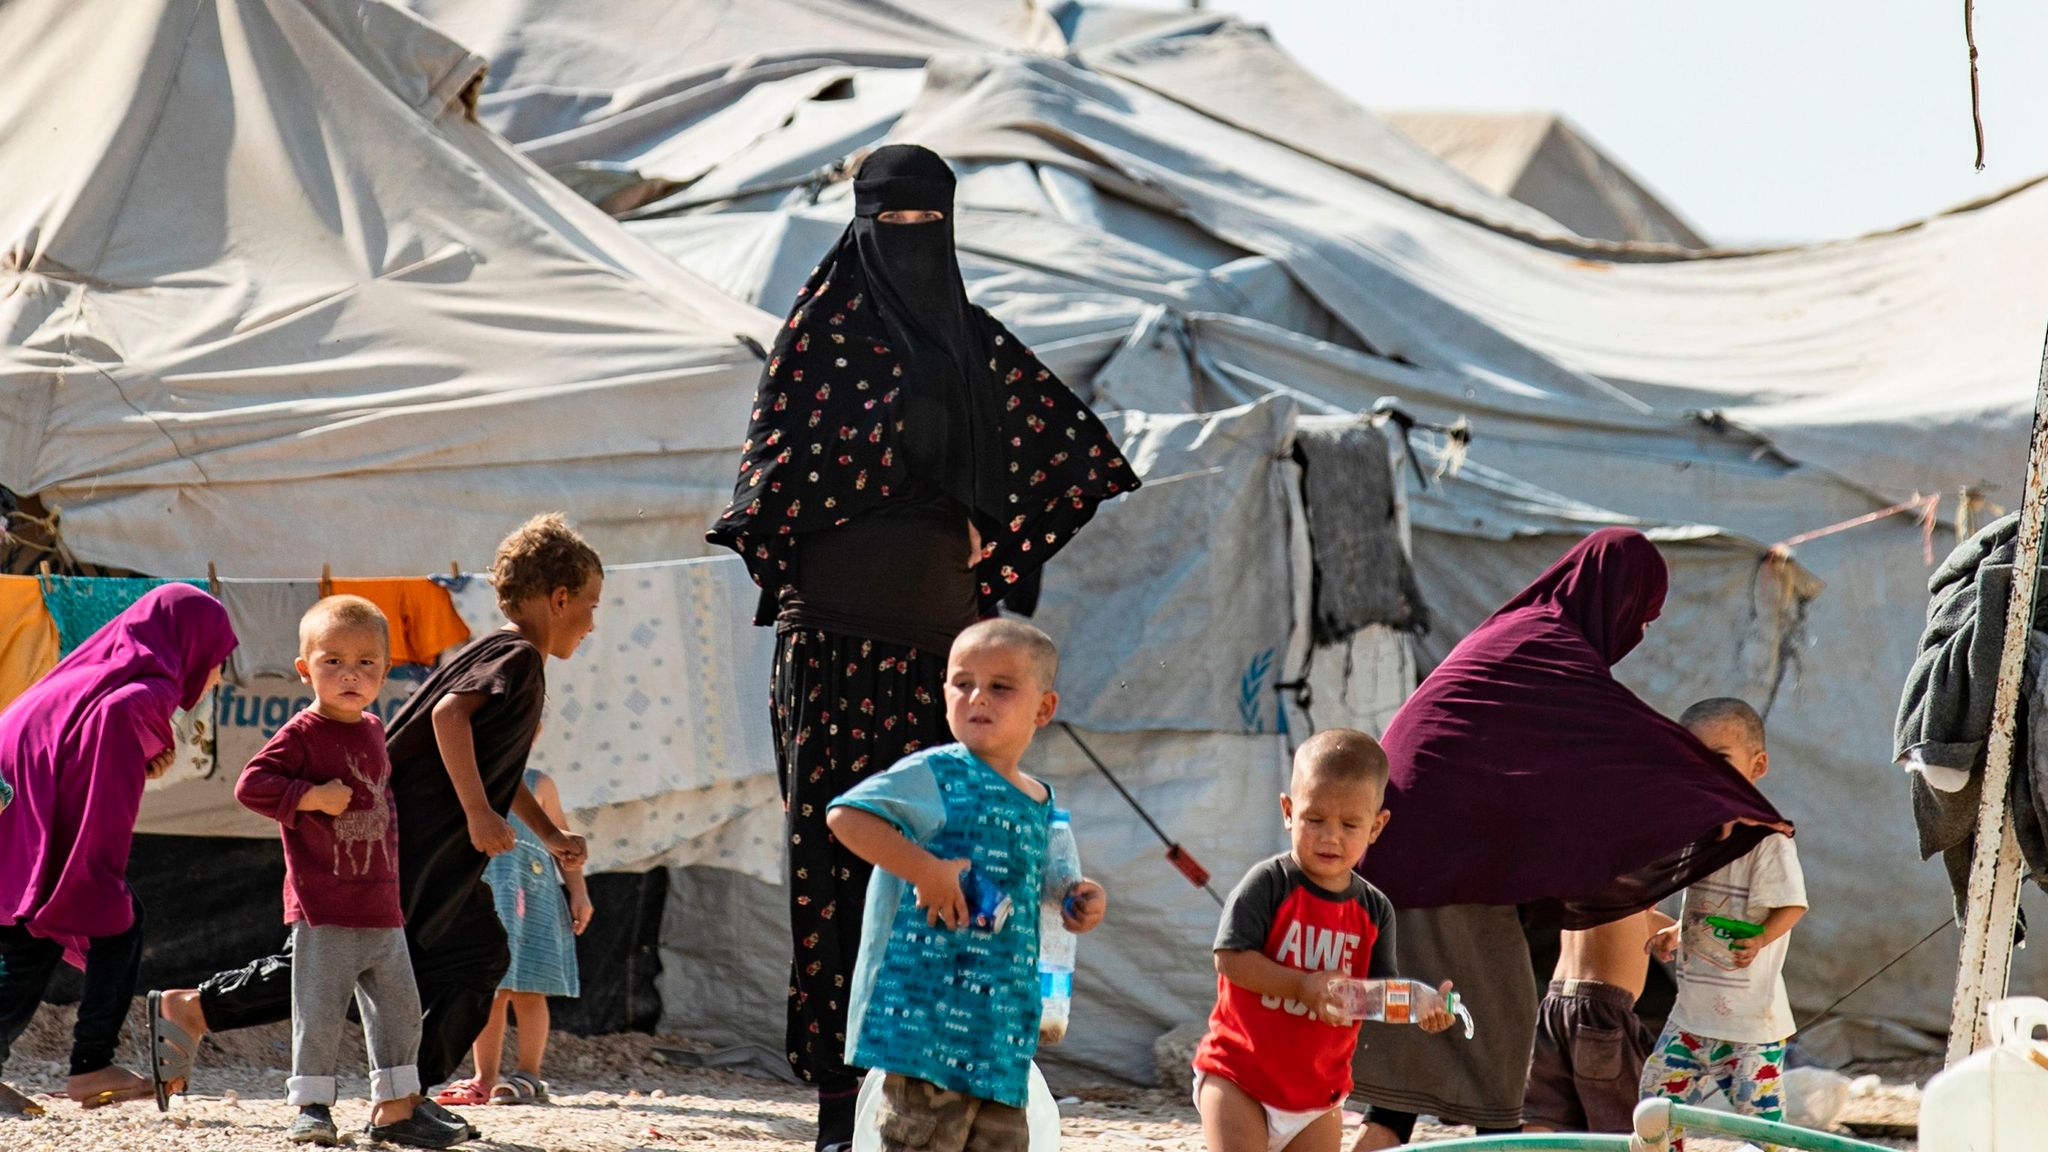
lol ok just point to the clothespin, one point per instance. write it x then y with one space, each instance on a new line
45 569
455 571
326 580
212 580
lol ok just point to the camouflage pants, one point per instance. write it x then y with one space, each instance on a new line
919 1116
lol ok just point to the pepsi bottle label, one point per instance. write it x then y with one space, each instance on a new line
987 908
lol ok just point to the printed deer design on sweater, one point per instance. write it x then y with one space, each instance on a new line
370 827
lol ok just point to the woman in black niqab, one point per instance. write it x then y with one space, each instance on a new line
952 427
909 465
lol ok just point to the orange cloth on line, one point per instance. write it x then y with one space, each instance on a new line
28 636
424 622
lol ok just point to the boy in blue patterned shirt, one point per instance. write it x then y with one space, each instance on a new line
950 1012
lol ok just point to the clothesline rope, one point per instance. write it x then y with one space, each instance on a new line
1927 507
1828 1011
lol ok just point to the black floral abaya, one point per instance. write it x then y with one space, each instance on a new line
886 382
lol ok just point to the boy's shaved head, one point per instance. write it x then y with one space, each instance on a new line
342 614
1341 756
1003 632
1725 710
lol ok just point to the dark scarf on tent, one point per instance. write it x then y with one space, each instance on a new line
1524 773
886 380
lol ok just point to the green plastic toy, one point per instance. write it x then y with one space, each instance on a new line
1728 928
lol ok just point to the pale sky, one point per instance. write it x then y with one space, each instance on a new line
1757 119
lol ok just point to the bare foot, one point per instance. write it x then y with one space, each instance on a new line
1374 1137
181 1007
393 1111
110 1085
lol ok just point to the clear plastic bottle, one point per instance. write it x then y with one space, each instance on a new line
1394 1001
1056 944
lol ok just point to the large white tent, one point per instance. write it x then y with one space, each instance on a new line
274 298
1190 222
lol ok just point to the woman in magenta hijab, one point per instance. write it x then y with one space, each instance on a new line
75 751
1525 779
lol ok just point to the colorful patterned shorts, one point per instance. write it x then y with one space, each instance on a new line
1688 1068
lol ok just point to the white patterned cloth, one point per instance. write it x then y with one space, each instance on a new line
735 825
194 734
657 730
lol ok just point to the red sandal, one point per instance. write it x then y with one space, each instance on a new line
463 1094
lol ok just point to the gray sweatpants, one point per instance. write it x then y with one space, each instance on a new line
329 964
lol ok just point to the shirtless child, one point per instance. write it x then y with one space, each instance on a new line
1590 1046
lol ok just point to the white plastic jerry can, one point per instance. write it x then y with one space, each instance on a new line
1997 1099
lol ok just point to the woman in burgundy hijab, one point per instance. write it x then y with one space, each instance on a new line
75 750
1526 779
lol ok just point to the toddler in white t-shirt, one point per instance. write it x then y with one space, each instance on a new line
1729 1027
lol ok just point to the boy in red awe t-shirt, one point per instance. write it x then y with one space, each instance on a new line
1274 1069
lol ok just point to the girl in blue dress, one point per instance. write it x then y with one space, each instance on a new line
541 926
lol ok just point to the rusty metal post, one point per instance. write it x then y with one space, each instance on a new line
1994 896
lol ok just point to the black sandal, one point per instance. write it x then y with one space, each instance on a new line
172 1051
520 1088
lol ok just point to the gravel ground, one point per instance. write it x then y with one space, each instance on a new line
611 1094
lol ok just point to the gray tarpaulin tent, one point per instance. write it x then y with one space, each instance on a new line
1543 160
265 273
1186 220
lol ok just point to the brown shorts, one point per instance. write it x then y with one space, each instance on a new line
919 1116
1588 1058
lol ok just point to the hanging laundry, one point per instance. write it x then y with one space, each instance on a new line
423 619
266 616
195 740
1944 719
665 696
476 601
1362 574
734 824
82 605
28 636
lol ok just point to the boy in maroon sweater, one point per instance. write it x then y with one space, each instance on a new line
326 780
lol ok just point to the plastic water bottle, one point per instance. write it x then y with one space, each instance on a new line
1056 945
1394 1001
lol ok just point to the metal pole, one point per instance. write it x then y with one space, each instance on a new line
1993 904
